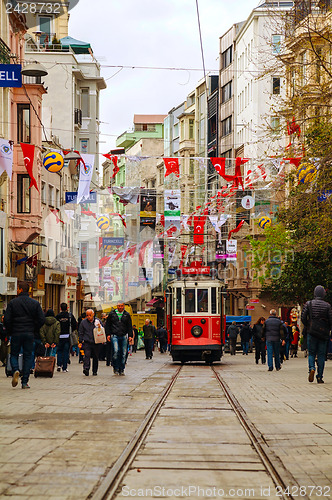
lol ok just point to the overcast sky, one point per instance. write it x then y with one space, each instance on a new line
154 33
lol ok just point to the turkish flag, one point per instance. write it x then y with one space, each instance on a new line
219 165
183 253
28 154
238 176
172 166
114 160
294 161
199 223
32 261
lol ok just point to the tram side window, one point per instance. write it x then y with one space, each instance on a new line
190 300
203 302
213 301
178 300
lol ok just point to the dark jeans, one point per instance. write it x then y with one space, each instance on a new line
232 346
91 351
63 353
317 348
148 345
273 347
163 345
260 351
108 353
24 341
120 351
37 347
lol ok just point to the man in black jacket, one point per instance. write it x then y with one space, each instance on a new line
118 329
67 323
313 311
273 331
23 317
90 348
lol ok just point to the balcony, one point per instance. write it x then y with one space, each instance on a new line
78 117
4 53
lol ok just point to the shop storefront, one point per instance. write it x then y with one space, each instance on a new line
55 282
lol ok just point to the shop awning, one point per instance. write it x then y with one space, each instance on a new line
77 46
152 302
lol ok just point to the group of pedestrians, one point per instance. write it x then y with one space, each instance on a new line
280 341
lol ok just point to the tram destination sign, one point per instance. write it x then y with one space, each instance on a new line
196 270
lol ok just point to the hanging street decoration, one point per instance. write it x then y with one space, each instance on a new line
55 212
6 157
264 222
28 154
103 222
114 160
172 166
53 161
238 227
86 171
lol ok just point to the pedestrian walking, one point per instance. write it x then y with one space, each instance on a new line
118 330
86 337
245 334
317 318
232 332
67 323
135 333
80 345
148 332
50 333
23 317
4 341
162 338
259 341
295 341
273 332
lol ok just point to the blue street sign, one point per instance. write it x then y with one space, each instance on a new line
133 283
10 75
71 197
171 271
113 241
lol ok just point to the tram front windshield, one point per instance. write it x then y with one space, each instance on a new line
196 300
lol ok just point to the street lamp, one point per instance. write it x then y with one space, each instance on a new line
34 69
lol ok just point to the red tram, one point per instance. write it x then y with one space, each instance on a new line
195 318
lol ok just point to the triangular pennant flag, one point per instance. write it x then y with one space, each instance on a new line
103 261
172 166
238 227
28 154
114 160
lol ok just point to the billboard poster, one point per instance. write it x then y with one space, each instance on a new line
147 222
231 250
148 203
158 249
221 250
172 199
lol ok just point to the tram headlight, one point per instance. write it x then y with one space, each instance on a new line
196 331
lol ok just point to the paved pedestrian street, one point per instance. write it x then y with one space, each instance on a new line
61 437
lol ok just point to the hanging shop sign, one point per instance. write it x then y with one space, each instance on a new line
172 202
158 249
231 250
254 301
70 283
118 242
10 75
221 250
53 277
250 308
71 197
248 202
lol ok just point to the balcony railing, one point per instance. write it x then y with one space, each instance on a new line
4 53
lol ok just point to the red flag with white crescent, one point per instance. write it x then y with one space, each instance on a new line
199 223
28 154
172 166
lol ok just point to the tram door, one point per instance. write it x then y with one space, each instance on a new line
169 302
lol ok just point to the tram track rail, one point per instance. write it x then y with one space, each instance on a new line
274 467
107 488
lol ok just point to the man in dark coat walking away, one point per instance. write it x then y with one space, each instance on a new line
232 332
91 349
273 332
317 319
148 331
259 340
23 317
245 334
118 330
162 338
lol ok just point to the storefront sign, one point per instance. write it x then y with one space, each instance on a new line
71 197
196 270
40 282
118 242
53 277
71 271
10 75
250 308
70 283
254 301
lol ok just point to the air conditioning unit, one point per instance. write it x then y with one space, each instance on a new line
8 286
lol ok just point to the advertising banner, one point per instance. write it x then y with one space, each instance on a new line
148 203
172 202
